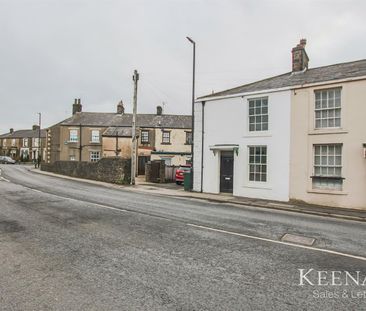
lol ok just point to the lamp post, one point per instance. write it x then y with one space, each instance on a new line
193 98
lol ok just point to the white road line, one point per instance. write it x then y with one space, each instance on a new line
77 200
35 190
217 230
2 178
280 242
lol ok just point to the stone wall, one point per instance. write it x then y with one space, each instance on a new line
112 170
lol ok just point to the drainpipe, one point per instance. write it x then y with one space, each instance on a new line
80 145
203 137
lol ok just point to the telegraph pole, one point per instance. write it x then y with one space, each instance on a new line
134 140
39 140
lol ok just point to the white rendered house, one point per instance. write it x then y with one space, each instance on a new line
242 143
296 136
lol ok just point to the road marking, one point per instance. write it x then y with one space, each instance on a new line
213 229
2 178
279 242
35 190
77 200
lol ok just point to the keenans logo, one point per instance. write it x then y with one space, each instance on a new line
331 278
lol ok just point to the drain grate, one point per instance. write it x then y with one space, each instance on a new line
298 239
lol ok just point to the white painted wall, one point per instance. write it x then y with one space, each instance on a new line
226 122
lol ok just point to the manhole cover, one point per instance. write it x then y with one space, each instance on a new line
298 239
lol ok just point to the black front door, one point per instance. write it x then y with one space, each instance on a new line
226 171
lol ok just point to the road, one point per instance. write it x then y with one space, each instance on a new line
69 245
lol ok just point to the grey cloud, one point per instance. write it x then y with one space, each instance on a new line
53 51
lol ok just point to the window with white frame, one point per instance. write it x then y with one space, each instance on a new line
166 137
258 114
72 158
73 136
328 167
144 137
94 156
258 163
25 142
95 136
35 142
13 142
328 108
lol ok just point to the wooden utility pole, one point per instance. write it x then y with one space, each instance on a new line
134 140
39 140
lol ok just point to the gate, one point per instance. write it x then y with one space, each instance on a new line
141 165
155 171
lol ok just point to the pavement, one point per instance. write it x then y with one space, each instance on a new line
171 189
72 245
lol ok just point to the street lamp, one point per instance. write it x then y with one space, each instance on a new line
193 98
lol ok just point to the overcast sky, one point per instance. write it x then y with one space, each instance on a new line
53 51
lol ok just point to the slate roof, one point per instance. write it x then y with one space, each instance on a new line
313 75
24 134
114 131
125 120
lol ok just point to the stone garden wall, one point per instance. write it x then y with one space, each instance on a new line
112 170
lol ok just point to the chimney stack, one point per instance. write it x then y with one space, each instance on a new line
300 60
120 108
159 110
11 131
77 107
35 127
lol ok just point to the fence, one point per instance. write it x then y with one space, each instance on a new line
170 173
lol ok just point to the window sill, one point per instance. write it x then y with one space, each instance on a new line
95 142
325 191
326 131
258 185
257 134
166 143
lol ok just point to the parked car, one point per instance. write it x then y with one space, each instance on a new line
7 160
179 174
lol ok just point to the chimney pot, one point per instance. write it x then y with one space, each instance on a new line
159 110
77 107
300 60
120 108
11 131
